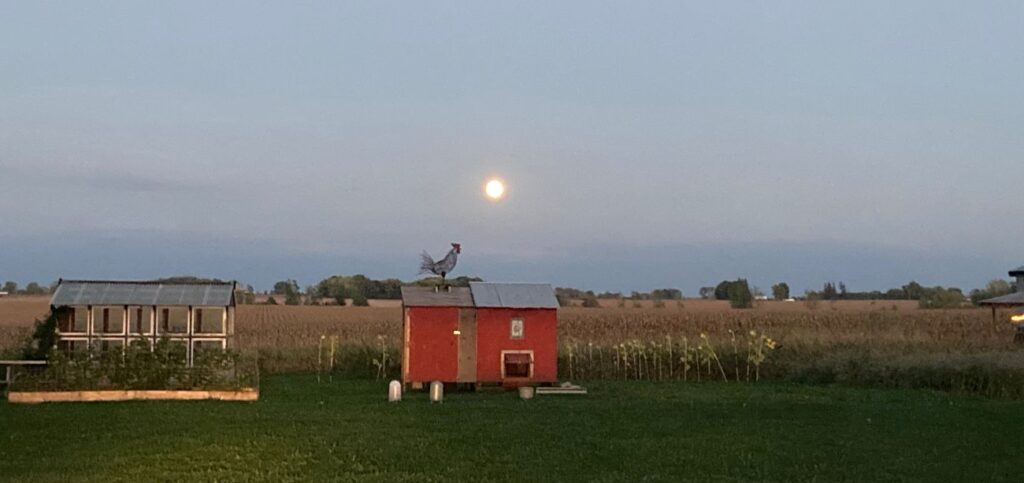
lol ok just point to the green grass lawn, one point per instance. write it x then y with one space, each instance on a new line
622 431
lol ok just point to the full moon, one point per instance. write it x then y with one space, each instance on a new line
495 189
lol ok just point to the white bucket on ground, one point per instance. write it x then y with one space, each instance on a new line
436 391
394 391
526 392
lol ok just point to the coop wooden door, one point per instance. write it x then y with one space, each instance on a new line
467 345
432 344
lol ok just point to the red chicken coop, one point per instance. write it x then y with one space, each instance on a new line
504 333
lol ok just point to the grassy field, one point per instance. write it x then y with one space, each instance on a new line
622 431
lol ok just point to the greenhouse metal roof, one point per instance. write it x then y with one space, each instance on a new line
82 292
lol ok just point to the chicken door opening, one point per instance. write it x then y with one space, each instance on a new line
517 365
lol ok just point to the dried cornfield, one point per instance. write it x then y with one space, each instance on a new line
942 330
16 317
832 342
288 338
660 343
824 345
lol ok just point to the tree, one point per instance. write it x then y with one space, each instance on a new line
285 287
573 293
44 337
737 292
739 295
244 296
913 290
707 292
312 297
10 287
1000 287
993 289
941 298
360 300
667 294
590 301
722 290
829 292
390 288
334 287
34 288
271 301
360 285
780 291
895 294
290 290
730 290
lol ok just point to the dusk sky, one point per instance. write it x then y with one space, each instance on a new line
645 144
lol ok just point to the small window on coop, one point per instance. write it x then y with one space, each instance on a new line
79 319
516 328
108 320
173 320
65 320
209 321
518 364
140 320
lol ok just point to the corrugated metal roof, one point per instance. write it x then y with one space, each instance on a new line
514 295
1016 298
429 297
71 292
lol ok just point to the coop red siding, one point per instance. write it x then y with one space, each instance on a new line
539 335
432 346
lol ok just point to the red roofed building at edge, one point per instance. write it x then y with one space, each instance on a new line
503 333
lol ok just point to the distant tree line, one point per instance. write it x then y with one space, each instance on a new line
739 293
566 295
33 288
927 297
359 289
993 289
910 291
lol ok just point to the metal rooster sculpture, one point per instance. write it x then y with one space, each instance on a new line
443 266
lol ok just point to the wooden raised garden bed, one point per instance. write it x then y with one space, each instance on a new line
36 397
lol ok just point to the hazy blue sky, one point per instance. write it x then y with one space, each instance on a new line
644 143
